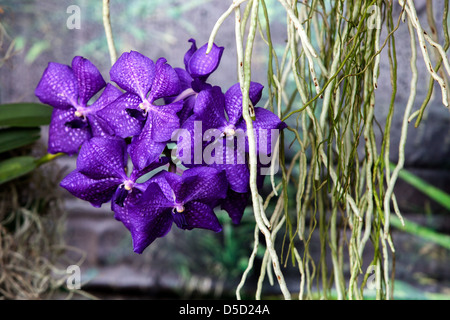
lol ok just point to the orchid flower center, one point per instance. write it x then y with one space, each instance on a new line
146 106
81 111
230 130
128 185
179 207
80 118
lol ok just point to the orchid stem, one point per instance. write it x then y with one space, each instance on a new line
108 32
47 158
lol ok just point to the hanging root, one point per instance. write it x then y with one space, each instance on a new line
345 196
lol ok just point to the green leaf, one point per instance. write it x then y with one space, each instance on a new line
13 138
16 167
27 114
422 231
431 191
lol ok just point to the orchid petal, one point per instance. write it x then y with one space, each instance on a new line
89 79
184 77
109 95
137 173
189 53
200 215
165 83
116 115
134 73
188 109
201 65
144 150
203 184
148 218
162 121
95 191
58 86
102 158
99 127
167 181
210 108
233 100
234 204
62 138
238 176
265 121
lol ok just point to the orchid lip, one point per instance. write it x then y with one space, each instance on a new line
76 124
179 216
120 195
122 192
137 114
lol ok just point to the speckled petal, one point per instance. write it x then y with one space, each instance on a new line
137 173
89 79
165 83
144 150
148 218
201 65
210 108
95 191
185 78
134 73
265 121
116 115
58 86
200 215
234 204
162 121
238 176
203 184
188 109
233 100
109 95
189 139
63 138
99 126
101 158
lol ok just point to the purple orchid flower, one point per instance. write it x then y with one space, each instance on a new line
101 175
187 200
68 90
235 203
223 113
198 66
136 113
265 120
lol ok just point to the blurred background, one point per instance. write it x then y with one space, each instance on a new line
196 263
